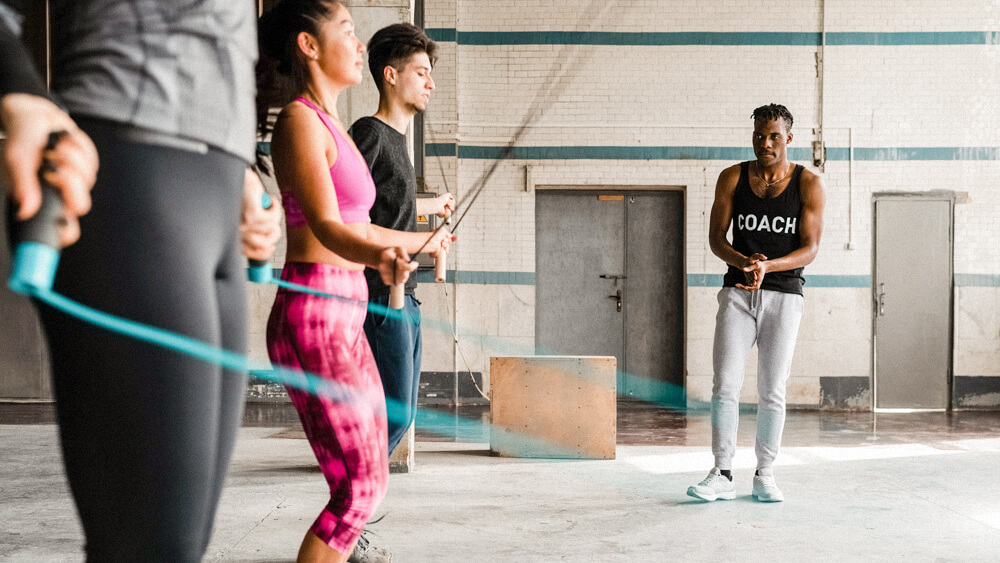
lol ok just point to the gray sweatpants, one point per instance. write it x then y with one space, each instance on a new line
771 319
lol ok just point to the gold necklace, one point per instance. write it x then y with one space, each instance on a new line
772 182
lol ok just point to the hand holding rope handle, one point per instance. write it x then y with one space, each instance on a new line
397 293
259 271
441 258
36 240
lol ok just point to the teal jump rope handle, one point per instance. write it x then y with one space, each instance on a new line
36 240
260 270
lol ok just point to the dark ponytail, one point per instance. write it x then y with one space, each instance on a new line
281 72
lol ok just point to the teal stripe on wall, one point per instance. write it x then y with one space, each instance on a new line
693 280
699 153
715 280
684 38
960 280
977 280
915 38
722 153
838 281
495 278
425 276
439 149
704 280
924 153
608 153
652 39
480 278
442 33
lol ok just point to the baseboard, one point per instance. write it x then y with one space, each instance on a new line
436 388
845 393
982 392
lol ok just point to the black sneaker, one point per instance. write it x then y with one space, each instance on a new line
365 552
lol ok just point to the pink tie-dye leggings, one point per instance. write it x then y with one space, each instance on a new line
324 337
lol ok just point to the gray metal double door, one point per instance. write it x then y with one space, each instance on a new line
913 301
610 282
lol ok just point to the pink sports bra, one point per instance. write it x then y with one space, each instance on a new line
352 182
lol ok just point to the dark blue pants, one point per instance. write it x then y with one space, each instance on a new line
395 343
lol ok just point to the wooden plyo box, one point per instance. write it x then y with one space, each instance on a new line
553 406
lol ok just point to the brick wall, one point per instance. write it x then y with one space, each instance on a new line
899 75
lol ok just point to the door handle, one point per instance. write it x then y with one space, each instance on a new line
618 296
881 299
615 277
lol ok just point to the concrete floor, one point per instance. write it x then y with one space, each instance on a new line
859 487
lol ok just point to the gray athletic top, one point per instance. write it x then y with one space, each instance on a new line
180 68
395 205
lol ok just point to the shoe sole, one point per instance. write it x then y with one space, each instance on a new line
759 498
730 495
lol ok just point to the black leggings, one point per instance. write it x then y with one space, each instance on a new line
147 433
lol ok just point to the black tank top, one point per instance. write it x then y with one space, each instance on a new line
768 226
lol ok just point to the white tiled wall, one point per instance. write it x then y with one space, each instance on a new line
883 96
697 95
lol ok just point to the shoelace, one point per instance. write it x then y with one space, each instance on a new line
712 479
363 545
767 480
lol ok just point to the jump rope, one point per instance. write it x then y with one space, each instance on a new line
36 259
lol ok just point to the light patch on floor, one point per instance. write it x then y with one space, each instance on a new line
874 452
991 519
694 461
976 444
697 461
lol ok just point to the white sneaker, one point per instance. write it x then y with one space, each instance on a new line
365 552
714 487
764 488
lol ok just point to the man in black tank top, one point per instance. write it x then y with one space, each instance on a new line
775 209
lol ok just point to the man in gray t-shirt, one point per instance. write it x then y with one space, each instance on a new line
401 58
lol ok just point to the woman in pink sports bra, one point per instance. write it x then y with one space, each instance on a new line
327 193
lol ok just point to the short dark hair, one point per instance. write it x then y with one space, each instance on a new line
773 111
394 45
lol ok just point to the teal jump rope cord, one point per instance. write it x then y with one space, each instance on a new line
395 410
192 347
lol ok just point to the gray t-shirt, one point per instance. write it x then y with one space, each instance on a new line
395 206
182 68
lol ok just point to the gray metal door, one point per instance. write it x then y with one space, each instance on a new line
579 238
610 281
913 302
654 308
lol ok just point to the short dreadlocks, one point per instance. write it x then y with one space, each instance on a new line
773 111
